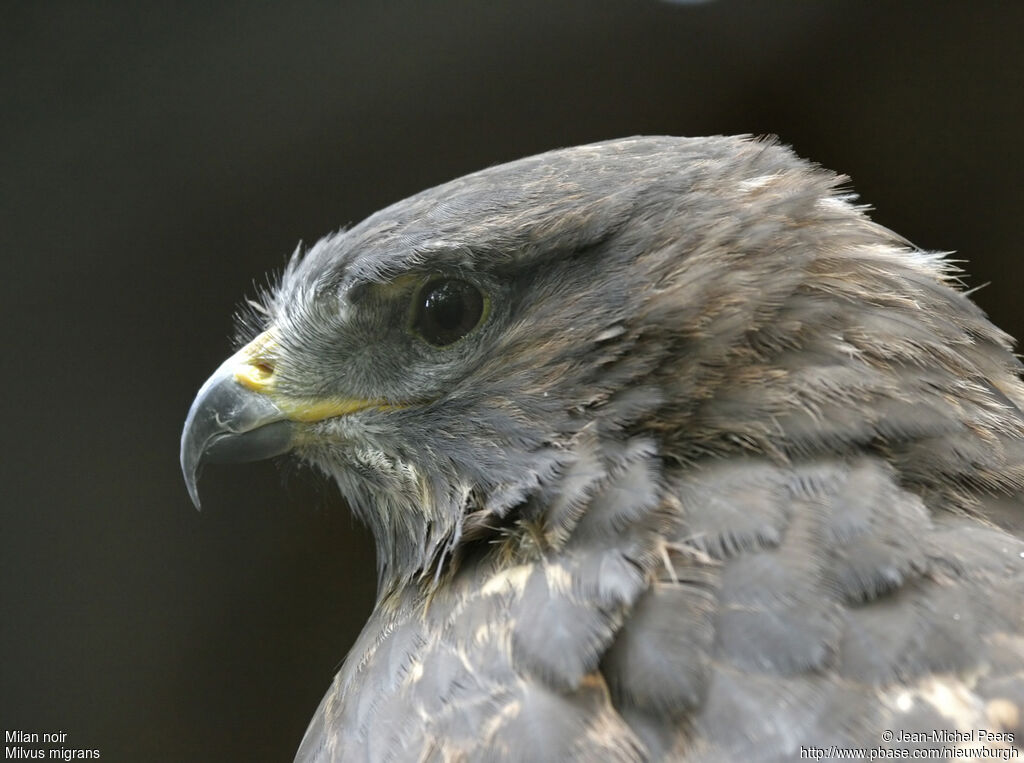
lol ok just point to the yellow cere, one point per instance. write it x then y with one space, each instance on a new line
256 363
255 371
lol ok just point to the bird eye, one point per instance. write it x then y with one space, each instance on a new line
446 309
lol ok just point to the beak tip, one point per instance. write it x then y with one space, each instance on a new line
193 493
190 471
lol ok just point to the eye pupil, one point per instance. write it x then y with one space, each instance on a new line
447 309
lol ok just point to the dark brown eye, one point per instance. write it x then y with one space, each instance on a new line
446 309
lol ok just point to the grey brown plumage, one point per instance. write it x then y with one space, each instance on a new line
727 471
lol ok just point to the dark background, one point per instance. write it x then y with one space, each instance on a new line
157 158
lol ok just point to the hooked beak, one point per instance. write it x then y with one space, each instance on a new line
240 415
234 417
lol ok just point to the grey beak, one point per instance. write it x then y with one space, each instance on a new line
230 423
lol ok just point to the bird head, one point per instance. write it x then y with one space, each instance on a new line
441 360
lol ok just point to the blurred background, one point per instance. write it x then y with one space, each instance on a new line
158 158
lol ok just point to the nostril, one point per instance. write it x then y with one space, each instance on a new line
257 375
263 368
